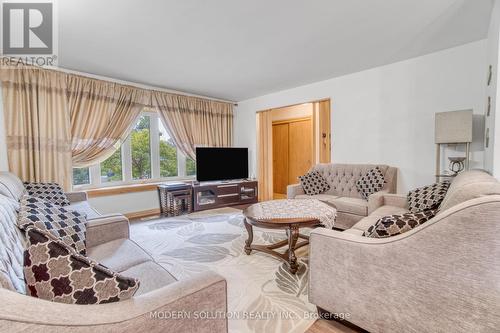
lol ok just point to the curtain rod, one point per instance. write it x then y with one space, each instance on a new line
124 82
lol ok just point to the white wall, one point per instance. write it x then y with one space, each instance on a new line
126 203
386 114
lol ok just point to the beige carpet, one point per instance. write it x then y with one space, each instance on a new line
262 295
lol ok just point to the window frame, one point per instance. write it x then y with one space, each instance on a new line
127 179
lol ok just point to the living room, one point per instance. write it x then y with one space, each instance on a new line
183 166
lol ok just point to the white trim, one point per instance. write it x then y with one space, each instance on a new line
134 182
126 161
181 164
154 144
95 174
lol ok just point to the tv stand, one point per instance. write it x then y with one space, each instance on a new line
210 195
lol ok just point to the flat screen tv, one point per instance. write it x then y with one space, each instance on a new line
221 164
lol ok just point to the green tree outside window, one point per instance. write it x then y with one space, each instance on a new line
140 142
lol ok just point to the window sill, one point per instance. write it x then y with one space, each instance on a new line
126 188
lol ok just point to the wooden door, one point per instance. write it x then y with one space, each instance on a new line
300 149
280 158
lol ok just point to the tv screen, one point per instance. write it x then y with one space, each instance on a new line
221 164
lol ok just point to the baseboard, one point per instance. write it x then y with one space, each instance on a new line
143 213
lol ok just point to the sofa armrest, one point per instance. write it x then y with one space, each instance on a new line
293 190
197 304
394 283
382 198
397 200
76 196
106 228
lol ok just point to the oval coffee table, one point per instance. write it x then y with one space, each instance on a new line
290 215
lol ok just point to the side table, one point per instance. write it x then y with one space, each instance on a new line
175 199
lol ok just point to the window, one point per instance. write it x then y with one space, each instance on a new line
168 154
149 153
190 167
81 176
111 169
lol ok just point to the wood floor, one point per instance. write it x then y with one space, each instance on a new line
331 326
277 196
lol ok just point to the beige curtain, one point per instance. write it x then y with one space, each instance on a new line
102 115
37 124
194 121
265 154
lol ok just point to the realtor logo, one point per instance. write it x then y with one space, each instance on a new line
27 28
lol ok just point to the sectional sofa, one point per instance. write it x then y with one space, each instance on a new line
160 294
442 276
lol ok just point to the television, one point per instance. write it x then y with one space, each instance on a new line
221 163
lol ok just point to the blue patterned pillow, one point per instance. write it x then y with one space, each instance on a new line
50 192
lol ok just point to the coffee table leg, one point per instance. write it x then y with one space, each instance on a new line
293 235
248 242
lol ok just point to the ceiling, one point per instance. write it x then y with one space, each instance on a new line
238 49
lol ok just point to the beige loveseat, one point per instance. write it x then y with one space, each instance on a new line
159 297
442 276
343 194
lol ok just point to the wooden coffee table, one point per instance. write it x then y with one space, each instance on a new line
273 215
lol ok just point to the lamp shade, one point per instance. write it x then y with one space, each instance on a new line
453 127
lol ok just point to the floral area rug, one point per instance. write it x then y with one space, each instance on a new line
262 295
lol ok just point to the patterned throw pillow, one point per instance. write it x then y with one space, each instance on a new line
67 225
55 272
372 182
427 197
397 224
50 192
313 183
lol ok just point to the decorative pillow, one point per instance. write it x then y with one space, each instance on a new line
397 224
55 272
313 183
67 225
372 182
427 197
50 192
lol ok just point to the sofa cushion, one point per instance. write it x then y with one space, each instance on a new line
371 182
327 198
119 255
11 186
313 183
83 207
151 275
371 219
356 232
351 205
392 225
427 197
67 225
50 192
56 272
11 247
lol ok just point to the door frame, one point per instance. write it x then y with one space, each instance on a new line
264 175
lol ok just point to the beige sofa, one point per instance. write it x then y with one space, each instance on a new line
159 295
343 194
443 276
